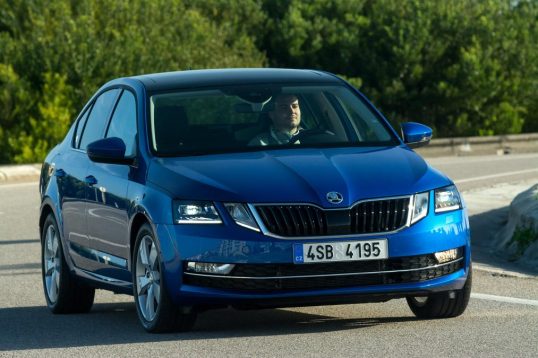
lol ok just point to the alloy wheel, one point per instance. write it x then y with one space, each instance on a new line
52 262
148 278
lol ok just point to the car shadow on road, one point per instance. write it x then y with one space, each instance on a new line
484 227
116 323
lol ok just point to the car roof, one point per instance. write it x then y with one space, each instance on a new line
237 76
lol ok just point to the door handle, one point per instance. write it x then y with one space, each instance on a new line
60 173
90 180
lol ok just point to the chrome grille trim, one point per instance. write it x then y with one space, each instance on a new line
267 232
325 275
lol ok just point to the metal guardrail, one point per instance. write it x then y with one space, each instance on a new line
500 145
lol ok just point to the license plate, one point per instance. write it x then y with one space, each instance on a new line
340 251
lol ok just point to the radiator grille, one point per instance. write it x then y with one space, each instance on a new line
294 220
367 217
379 216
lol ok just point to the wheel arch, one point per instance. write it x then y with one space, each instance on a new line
47 208
139 219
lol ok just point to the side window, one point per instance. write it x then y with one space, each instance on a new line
95 125
123 123
80 126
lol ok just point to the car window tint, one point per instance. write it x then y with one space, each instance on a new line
123 123
218 120
95 125
80 126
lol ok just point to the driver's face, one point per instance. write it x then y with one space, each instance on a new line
287 115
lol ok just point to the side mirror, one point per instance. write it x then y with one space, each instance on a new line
108 150
415 134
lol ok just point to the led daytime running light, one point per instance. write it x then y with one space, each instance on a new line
447 199
186 212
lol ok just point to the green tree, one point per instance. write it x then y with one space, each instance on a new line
463 67
319 34
89 42
15 105
55 116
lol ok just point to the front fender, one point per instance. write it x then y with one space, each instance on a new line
154 207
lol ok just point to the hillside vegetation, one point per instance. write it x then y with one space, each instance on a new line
463 67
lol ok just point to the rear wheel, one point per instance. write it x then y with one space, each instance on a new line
63 292
442 304
156 311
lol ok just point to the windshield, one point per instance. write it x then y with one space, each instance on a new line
262 117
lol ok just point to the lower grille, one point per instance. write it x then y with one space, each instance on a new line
283 284
266 277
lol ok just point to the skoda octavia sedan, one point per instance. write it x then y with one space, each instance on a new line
247 188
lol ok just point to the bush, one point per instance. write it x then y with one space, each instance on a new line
462 67
523 237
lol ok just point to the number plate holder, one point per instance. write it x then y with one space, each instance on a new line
340 251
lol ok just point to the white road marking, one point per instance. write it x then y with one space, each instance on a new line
496 175
34 184
521 301
480 159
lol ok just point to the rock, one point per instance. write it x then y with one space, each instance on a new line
523 215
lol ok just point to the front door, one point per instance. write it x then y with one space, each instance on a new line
70 171
108 204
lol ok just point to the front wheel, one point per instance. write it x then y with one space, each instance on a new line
156 311
442 304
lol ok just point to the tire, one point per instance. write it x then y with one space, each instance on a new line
63 293
156 311
440 305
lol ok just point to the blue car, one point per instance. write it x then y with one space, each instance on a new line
247 188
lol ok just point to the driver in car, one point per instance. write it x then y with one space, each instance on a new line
286 121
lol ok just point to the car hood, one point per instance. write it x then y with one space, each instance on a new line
297 175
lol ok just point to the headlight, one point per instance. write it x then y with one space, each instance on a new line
447 199
242 215
420 206
195 212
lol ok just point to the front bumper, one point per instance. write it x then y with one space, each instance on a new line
266 276
283 277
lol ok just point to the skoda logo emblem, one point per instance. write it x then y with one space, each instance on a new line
334 197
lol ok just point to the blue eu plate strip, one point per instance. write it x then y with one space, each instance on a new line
298 257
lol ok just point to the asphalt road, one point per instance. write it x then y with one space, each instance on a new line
475 172
501 319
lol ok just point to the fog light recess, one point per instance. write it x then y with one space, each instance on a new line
446 256
211 268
